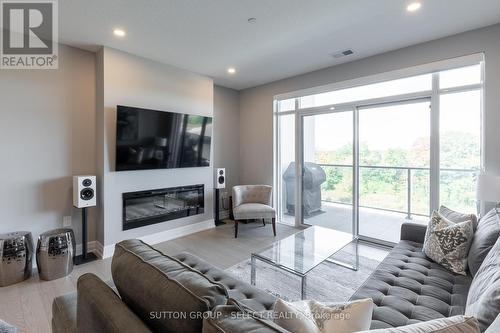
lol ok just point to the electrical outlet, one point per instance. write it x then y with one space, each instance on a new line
66 221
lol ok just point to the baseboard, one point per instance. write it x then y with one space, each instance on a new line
92 246
108 250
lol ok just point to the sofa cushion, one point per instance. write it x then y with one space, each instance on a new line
249 211
407 287
64 313
456 324
483 301
168 295
458 217
233 319
246 294
100 309
487 232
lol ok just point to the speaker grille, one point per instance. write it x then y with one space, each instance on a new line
87 194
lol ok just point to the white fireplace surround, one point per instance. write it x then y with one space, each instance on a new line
125 79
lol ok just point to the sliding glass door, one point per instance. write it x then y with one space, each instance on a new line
367 167
328 170
394 167
367 158
285 162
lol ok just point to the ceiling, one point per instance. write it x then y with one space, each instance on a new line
290 37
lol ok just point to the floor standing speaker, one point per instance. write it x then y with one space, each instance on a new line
84 196
220 183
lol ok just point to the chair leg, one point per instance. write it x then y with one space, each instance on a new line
264 222
274 226
235 228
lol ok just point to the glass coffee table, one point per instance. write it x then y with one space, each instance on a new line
298 254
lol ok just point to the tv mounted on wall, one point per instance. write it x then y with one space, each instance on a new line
150 139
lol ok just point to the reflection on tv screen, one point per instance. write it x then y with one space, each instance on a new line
149 139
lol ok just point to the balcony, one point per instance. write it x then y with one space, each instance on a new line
388 197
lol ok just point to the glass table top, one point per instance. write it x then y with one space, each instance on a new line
306 249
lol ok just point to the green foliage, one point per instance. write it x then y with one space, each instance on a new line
387 188
333 177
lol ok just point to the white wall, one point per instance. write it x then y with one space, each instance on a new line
227 135
256 123
47 135
130 80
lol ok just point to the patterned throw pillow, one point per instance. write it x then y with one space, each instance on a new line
448 243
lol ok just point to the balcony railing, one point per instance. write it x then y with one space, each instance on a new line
409 172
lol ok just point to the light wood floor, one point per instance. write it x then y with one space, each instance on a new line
27 305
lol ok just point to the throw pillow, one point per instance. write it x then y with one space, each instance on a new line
456 324
458 217
483 300
448 243
487 233
316 317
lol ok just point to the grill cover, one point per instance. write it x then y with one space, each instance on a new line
314 176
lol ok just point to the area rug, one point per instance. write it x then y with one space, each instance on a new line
327 282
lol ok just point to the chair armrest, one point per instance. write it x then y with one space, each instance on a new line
100 309
414 232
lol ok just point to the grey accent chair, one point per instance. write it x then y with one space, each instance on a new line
253 202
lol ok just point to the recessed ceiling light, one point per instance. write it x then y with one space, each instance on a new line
231 70
414 6
332 108
119 32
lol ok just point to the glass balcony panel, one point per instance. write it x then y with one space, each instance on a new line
327 187
383 188
458 190
338 185
420 190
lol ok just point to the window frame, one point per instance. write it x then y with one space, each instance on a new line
434 95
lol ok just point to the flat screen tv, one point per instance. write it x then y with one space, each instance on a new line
150 139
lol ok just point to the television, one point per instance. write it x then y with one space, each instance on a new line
151 139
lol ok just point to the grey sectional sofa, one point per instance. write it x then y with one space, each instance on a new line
182 293
408 287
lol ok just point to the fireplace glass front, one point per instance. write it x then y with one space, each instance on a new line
155 206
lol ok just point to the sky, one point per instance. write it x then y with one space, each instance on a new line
396 126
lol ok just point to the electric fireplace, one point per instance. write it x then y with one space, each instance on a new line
154 206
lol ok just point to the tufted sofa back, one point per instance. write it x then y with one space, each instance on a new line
252 194
150 282
407 288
